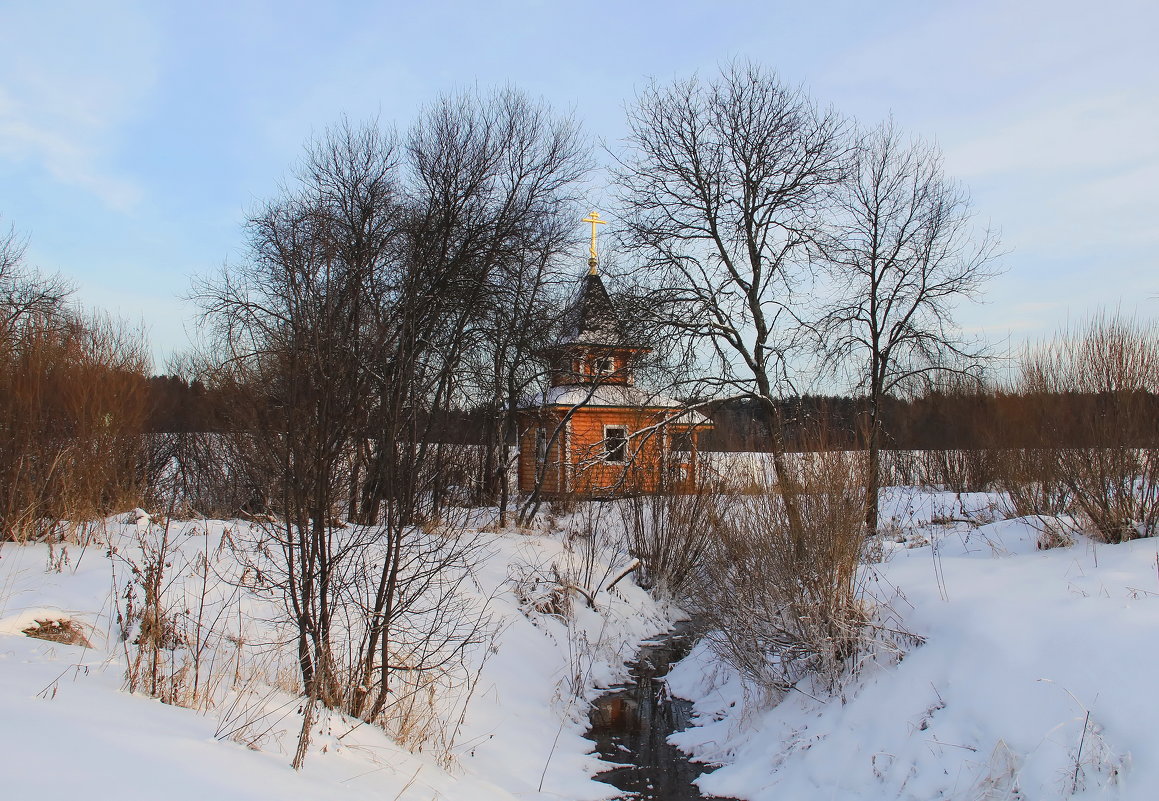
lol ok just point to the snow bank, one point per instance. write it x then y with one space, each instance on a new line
1029 657
68 729
1034 682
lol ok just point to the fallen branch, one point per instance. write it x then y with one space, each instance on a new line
632 566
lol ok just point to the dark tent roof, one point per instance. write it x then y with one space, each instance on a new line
592 319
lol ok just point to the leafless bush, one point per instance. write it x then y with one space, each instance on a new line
196 470
594 559
1031 480
670 534
562 586
1102 461
594 550
400 619
782 604
902 468
953 469
171 608
959 469
72 408
1115 491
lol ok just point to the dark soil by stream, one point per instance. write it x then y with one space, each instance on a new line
631 722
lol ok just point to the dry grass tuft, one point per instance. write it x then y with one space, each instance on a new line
62 630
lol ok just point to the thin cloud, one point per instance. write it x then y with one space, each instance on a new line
73 81
1087 133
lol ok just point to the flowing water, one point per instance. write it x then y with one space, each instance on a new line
631 722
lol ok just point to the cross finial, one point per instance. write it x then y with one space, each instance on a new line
594 219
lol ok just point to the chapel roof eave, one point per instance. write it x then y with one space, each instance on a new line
615 396
590 345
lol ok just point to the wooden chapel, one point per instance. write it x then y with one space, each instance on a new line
594 433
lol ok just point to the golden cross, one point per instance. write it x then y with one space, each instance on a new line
594 219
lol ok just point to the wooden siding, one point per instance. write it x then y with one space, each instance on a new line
576 462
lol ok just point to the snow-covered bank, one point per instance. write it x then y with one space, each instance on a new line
1035 680
69 730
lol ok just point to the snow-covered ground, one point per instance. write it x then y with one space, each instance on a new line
1035 680
68 728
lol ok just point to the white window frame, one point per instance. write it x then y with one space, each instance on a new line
626 436
540 445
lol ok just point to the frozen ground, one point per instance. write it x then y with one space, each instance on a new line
1035 681
68 728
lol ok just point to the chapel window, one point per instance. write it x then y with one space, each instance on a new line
615 444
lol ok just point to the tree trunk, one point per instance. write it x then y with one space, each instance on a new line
872 482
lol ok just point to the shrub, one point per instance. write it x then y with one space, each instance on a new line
72 409
1096 398
1032 482
670 534
780 605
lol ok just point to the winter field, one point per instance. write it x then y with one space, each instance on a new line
1024 673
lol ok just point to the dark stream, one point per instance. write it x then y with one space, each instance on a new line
630 724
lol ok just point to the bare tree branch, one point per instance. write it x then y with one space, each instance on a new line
902 252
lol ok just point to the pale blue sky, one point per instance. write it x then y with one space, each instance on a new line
135 136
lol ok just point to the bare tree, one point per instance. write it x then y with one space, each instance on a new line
723 188
342 339
514 326
24 292
490 180
293 327
902 252
502 170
